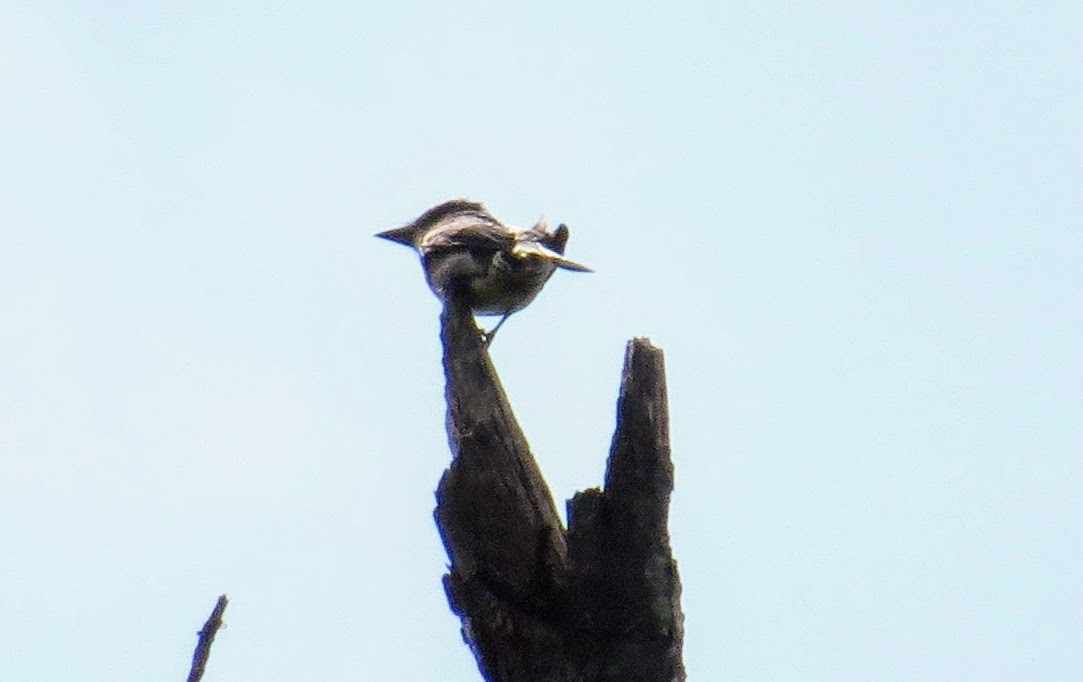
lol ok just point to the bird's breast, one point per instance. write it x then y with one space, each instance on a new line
494 284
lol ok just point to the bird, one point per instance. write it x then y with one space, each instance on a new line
467 252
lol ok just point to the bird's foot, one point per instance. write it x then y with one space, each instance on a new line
488 336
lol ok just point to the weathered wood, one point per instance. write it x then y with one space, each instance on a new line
600 601
626 587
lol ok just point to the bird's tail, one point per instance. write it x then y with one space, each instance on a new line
527 248
563 262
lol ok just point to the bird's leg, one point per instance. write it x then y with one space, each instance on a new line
487 337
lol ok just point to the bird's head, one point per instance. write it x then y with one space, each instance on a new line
411 234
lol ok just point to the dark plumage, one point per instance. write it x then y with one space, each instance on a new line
499 270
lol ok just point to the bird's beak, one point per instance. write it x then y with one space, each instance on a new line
402 235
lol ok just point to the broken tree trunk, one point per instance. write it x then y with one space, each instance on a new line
598 601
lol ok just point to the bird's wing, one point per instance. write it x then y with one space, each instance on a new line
465 231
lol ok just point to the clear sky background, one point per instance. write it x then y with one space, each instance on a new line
854 228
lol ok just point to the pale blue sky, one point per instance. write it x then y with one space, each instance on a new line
854 229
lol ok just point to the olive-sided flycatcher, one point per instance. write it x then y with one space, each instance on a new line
498 270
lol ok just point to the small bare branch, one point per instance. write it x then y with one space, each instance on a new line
206 638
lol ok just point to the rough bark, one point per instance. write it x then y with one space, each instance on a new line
598 601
